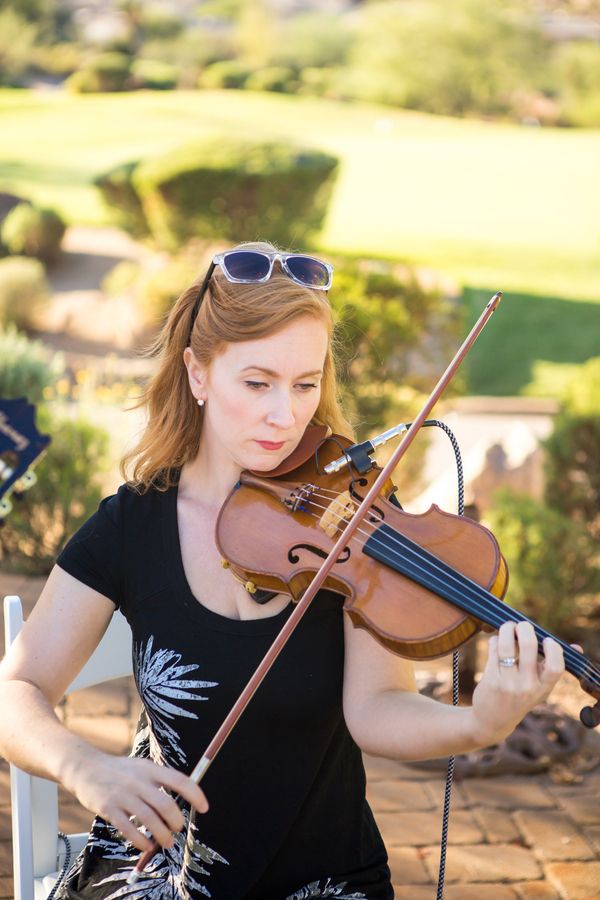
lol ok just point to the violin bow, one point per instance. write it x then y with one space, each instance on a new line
307 597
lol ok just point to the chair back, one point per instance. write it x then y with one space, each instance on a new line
34 801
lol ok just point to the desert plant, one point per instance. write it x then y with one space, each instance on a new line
27 368
23 290
67 491
550 558
121 279
122 199
31 231
159 289
383 317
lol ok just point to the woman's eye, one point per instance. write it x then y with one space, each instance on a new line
307 387
255 385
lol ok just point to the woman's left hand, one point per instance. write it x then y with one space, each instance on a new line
514 680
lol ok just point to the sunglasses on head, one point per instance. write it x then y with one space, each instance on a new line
256 267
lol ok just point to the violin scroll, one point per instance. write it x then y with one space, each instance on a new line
590 715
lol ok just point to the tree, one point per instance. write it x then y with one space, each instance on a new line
458 58
17 39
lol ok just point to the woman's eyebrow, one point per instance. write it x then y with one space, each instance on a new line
276 374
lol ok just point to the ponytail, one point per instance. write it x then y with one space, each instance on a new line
172 434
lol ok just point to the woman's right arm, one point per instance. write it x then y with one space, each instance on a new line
66 625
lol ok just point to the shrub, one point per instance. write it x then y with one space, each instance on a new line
17 42
393 332
161 24
58 60
572 452
314 39
154 75
159 290
7 203
274 78
230 189
122 199
121 279
577 68
27 368
549 557
227 73
29 231
191 52
572 469
67 492
434 56
315 81
23 290
107 72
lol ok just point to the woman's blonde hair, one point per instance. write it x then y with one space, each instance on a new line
229 313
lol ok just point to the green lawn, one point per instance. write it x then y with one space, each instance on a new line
494 206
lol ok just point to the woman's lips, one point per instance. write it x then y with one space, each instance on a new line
271 445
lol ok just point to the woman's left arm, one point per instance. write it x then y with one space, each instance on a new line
387 717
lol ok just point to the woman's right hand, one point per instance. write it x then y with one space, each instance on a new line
122 788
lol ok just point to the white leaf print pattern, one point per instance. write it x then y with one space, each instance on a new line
173 873
159 681
326 888
169 874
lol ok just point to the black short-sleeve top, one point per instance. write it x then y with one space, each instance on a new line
288 817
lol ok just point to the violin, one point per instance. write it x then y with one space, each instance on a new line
422 585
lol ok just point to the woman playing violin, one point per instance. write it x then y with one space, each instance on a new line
245 365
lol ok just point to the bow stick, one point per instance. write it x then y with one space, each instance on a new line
304 602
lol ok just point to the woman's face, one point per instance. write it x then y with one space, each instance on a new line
261 394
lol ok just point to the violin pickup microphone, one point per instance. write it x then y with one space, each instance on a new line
360 454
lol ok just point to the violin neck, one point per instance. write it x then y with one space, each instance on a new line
395 550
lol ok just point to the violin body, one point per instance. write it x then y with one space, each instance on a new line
422 585
296 517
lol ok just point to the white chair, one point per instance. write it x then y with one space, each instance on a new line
38 853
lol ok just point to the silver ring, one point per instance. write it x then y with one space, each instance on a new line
508 661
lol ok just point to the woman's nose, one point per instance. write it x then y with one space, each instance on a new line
281 413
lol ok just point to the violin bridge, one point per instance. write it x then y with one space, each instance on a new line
339 510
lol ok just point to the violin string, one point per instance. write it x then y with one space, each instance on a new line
466 586
489 602
476 593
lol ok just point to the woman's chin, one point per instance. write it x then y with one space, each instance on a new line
263 465
264 461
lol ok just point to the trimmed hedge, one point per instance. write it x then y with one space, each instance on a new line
225 73
154 75
106 72
121 198
279 79
235 190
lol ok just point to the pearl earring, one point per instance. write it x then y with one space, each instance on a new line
200 402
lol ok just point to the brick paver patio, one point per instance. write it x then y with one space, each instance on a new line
510 837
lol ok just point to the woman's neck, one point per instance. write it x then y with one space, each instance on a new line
208 479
